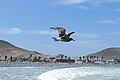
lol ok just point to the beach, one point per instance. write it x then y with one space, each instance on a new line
37 64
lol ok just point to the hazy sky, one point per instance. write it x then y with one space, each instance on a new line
26 23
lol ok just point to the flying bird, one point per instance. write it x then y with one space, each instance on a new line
62 35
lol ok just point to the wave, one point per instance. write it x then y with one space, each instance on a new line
71 73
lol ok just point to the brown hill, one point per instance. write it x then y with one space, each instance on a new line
108 53
8 49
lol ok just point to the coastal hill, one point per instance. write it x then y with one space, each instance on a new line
8 49
108 53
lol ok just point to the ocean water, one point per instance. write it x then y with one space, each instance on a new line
22 73
55 73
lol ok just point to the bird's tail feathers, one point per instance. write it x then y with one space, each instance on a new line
52 28
55 39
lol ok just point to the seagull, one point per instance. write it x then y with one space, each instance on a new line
62 35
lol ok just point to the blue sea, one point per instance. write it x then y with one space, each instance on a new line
57 73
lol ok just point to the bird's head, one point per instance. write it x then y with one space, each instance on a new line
71 39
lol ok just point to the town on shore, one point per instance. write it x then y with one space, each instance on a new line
59 59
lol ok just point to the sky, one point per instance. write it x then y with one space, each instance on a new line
26 24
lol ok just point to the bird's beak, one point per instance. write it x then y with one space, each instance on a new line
73 40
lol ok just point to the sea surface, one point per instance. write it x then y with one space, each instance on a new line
60 73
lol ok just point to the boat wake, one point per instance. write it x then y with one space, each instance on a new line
71 73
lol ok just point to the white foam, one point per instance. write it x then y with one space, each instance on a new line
70 73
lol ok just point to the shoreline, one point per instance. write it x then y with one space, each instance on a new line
15 64
26 64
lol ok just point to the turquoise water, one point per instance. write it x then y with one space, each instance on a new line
54 73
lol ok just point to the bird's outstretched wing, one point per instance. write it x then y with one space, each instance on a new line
60 30
70 34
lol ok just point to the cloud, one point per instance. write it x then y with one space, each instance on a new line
86 4
113 0
15 30
69 2
84 7
107 21
41 32
11 31
110 34
93 43
84 35
74 2
117 10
